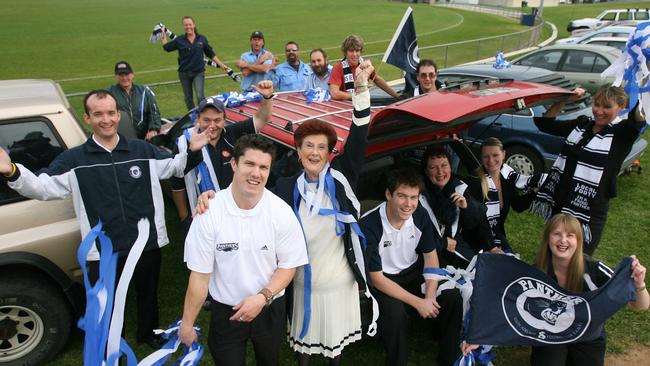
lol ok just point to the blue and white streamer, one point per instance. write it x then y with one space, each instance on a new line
631 67
234 99
500 62
317 95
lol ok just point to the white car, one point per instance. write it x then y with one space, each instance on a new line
608 16
609 31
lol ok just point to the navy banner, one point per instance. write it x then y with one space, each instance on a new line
402 51
514 303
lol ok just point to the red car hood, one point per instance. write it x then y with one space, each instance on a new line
408 122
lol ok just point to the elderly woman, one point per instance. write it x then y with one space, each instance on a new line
583 178
500 187
561 256
458 218
326 313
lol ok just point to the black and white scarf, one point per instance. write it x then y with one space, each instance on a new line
348 78
583 187
493 203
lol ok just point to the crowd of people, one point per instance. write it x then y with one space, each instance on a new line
302 250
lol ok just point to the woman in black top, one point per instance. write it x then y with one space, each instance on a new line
583 178
500 187
191 47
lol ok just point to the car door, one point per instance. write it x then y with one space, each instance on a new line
584 68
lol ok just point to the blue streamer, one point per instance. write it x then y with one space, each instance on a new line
203 173
316 95
501 62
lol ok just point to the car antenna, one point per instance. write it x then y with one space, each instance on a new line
484 130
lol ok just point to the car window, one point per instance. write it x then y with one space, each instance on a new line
620 34
625 16
546 60
31 143
579 61
601 64
641 15
609 16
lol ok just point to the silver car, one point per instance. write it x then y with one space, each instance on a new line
580 63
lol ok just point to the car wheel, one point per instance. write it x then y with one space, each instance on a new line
524 160
35 319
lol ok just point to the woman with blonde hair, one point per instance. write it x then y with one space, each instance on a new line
561 257
500 187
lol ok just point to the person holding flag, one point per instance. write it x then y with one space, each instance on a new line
191 47
426 74
343 75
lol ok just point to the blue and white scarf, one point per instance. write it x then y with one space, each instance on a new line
203 177
327 186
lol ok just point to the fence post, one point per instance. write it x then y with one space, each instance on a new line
446 53
503 41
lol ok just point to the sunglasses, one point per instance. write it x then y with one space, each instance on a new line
430 75
291 50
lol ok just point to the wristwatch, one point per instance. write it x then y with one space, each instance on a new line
268 295
269 97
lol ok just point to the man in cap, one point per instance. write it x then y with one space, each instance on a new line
137 105
215 172
256 63
293 73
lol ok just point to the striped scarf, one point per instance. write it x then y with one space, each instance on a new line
348 78
583 187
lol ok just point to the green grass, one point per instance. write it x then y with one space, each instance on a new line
70 39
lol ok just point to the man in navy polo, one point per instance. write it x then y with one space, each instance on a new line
400 243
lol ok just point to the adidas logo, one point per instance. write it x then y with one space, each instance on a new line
264 248
412 236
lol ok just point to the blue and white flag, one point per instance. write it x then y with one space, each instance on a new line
500 61
514 303
316 95
402 51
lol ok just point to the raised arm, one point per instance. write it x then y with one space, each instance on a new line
53 183
383 85
555 109
264 112
642 301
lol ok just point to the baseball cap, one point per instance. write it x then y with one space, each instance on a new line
211 102
123 67
257 34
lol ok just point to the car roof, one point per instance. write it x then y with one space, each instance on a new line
407 123
39 96
611 52
618 39
515 72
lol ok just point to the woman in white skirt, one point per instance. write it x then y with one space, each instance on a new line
326 314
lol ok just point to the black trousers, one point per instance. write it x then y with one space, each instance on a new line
590 353
394 316
145 279
227 339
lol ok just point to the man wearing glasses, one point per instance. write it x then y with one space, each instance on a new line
427 76
293 73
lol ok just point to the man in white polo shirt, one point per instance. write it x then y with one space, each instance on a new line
244 250
400 243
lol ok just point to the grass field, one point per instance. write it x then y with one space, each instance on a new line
77 42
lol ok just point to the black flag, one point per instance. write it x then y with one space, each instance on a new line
514 303
402 51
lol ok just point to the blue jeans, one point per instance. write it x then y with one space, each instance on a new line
191 79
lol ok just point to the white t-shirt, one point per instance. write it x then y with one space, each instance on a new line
243 248
397 248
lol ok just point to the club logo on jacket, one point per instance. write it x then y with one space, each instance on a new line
387 243
135 172
537 310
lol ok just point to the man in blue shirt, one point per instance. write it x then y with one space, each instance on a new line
321 70
293 73
256 63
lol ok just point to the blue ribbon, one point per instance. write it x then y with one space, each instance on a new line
632 87
330 187
316 95
203 173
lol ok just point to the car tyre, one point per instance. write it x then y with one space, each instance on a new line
524 160
35 319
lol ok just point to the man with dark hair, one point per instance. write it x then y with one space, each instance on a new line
115 180
255 64
320 76
426 74
293 73
137 105
343 74
400 245
243 252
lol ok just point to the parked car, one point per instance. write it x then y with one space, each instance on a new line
608 31
41 294
577 62
528 149
609 16
616 42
